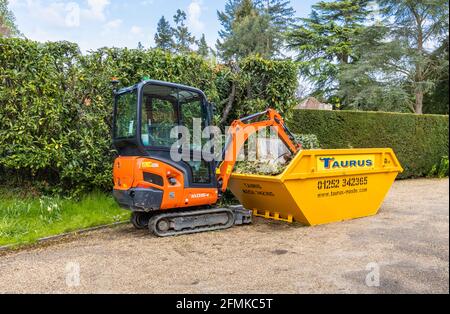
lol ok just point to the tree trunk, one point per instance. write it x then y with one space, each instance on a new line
419 90
419 102
230 100
4 31
419 70
229 105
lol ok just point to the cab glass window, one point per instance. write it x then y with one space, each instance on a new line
164 108
201 172
159 115
193 116
126 115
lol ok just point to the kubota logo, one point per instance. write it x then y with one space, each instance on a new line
342 163
200 195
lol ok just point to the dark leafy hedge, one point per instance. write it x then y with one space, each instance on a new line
267 83
56 104
420 141
260 84
56 110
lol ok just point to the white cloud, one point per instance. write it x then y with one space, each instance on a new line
72 18
42 35
13 3
193 15
136 30
114 24
60 13
55 14
96 9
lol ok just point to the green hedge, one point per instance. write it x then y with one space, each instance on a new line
56 104
419 141
56 109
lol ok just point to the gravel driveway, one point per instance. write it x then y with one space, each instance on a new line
406 244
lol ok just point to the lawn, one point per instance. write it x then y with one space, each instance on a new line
24 219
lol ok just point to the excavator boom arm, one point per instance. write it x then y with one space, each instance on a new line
239 132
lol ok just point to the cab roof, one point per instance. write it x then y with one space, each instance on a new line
161 83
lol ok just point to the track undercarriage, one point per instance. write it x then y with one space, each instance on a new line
172 223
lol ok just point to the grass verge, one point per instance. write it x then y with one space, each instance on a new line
24 219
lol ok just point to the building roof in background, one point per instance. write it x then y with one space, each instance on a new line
313 103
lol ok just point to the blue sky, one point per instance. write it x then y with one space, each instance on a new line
98 23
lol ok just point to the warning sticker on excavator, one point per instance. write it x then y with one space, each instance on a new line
341 162
149 164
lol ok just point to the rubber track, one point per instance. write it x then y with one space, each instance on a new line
171 216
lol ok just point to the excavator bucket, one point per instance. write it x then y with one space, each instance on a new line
321 186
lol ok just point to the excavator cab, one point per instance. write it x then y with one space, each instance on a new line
145 116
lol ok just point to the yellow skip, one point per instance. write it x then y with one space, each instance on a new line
321 186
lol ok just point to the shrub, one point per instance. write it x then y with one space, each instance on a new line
440 170
419 141
267 83
308 141
56 108
56 105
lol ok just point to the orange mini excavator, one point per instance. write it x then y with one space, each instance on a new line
177 197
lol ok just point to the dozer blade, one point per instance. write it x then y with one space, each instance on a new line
195 221
321 186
